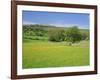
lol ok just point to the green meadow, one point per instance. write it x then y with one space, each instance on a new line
50 46
41 54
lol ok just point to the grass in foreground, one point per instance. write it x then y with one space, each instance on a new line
41 54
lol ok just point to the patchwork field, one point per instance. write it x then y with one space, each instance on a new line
41 54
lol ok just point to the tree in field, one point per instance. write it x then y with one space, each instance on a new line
85 35
56 35
73 34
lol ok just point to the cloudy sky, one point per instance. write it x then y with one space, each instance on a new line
56 18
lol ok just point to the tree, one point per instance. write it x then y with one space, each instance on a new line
73 34
56 35
85 35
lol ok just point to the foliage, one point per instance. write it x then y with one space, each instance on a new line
85 35
73 34
56 35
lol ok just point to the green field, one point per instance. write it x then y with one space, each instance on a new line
41 54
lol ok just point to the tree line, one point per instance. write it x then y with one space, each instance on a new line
56 34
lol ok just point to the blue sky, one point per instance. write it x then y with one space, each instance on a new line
59 19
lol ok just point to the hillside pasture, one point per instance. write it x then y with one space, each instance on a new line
51 46
41 54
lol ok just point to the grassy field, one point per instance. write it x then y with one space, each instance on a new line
41 54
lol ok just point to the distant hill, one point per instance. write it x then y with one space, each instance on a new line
46 27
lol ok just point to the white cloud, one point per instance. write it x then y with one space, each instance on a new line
70 25
27 23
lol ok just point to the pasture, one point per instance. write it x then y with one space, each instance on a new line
41 54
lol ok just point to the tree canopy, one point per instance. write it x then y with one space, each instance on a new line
73 34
